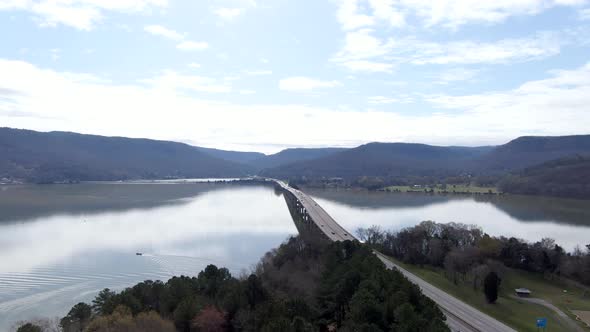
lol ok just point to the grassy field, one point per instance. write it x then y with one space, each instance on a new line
457 188
518 314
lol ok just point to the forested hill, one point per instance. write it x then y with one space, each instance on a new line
289 156
566 177
400 160
528 151
62 156
234 156
385 159
297 287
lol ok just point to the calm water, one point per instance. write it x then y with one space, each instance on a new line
525 217
61 244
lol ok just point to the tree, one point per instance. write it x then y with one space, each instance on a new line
120 320
255 293
491 285
210 319
185 311
77 319
299 324
152 322
364 308
406 319
29 327
372 235
104 303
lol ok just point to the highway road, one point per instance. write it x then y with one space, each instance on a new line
319 216
461 317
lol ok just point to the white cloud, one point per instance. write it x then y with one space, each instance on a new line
172 81
364 52
381 100
300 83
43 99
79 14
453 13
194 65
584 14
228 13
361 45
188 45
349 17
361 48
367 66
456 75
260 72
183 45
385 10
470 52
354 14
547 106
159 30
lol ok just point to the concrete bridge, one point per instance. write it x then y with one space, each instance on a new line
316 224
312 216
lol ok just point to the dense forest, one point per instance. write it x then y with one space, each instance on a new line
467 253
565 177
288 156
30 156
551 166
68 157
391 161
294 288
385 160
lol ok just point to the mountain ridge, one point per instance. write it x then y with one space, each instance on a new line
66 156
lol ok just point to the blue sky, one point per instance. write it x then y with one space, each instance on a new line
264 75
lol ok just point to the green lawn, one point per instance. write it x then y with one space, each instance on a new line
458 188
514 312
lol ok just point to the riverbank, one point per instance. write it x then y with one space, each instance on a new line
458 189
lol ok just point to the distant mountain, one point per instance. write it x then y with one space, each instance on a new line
384 159
235 156
395 160
566 177
532 150
63 156
289 156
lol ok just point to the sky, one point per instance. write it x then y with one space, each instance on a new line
264 75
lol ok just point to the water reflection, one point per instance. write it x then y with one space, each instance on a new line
19 203
529 218
61 244
49 262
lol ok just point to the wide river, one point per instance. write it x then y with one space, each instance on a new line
61 244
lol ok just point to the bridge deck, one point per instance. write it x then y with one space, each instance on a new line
318 215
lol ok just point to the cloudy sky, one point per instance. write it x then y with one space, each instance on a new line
263 75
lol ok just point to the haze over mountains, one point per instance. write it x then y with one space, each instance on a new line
59 156
62 156
405 159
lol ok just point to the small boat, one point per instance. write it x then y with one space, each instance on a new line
138 254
